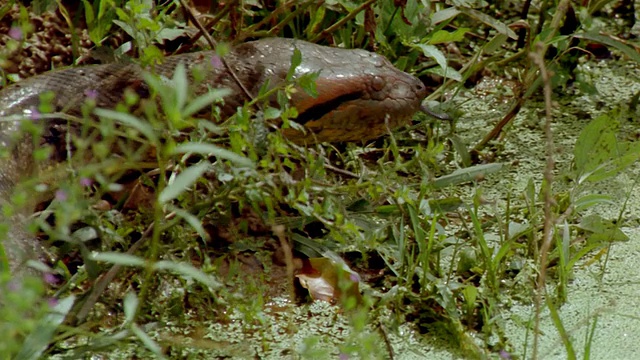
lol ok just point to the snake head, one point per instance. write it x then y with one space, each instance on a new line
357 101
361 95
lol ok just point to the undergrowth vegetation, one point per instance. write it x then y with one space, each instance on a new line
170 230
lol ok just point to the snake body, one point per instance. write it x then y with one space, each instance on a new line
360 96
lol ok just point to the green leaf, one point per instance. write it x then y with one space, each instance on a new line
443 36
183 181
181 85
126 27
595 144
495 44
603 230
467 174
192 220
493 22
131 121
130 304
308 83
627 50
461 149
204 100
37 342
434 53
444 15
449 73
147 341
117 258
598 154
210 149
271 113
296 60
444 70
591 200
188 270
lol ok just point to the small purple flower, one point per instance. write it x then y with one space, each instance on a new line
50 278
61 195
343 356
15 33
505 355
354 277
216 62
52 302
91 94
86 182
34 114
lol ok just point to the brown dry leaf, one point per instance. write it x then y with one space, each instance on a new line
141 196
330 280
402 4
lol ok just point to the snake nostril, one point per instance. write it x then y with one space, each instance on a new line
420 87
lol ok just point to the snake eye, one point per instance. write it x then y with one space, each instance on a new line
377 83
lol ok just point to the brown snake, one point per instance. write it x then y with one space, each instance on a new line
360 96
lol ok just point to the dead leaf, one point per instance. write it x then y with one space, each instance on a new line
330 279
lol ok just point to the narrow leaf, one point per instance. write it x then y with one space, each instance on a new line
444 15
466 174
147 341
491 21
183 181
130 304
627 50
119 259
131 121
181 85
204 100
37 342
191 220
433 52
188 270
210 149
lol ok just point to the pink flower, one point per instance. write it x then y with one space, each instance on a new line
50 278
34 114
61 195
86 182
216 62
91 94
15 33
52 302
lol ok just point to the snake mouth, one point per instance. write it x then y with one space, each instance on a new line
318 111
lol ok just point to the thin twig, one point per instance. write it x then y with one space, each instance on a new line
387 343
213 45
213 21
278 231
342 21
522 33
250 31
549 224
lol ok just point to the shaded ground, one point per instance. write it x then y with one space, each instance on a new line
604 288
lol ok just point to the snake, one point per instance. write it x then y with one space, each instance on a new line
359 95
